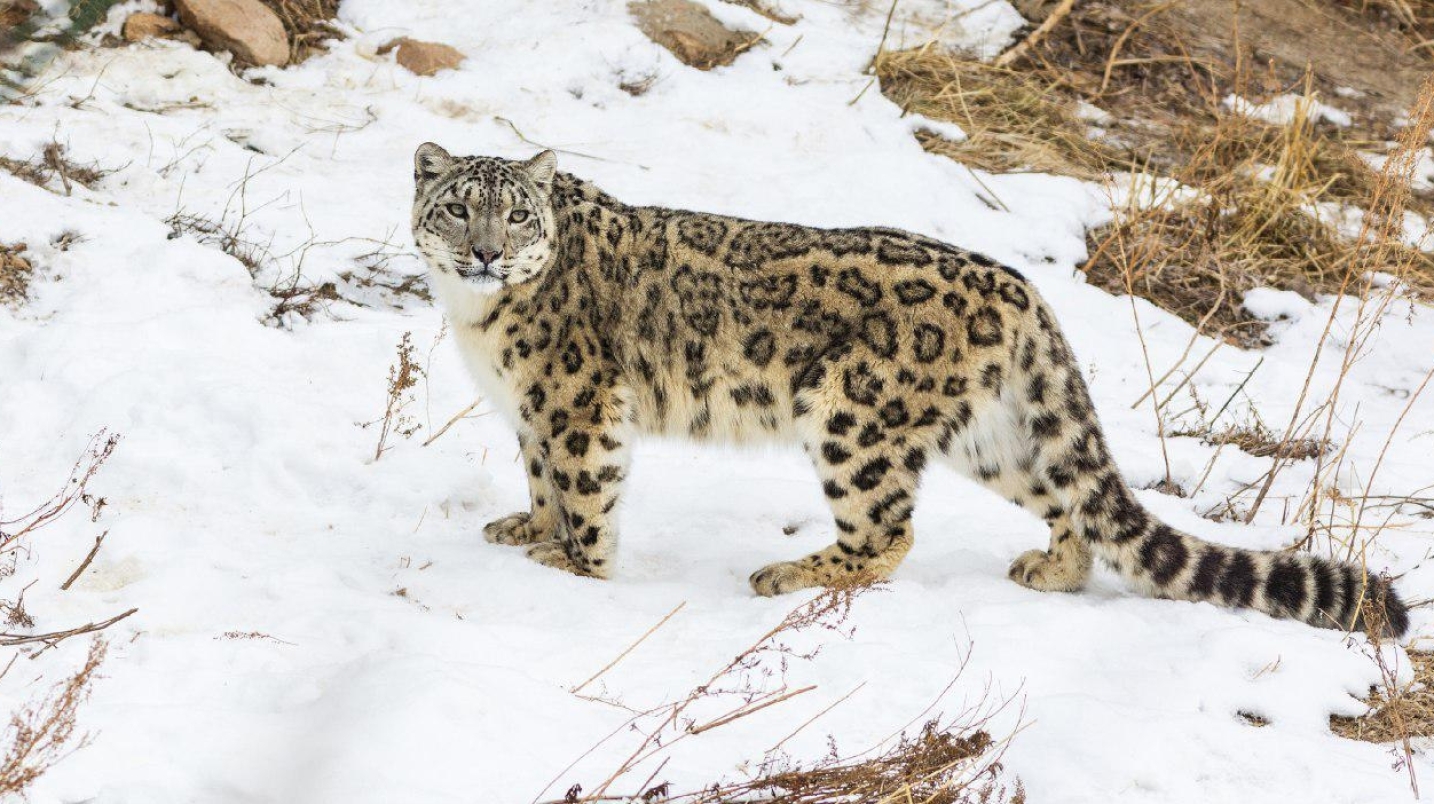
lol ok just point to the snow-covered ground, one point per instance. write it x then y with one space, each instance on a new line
244 499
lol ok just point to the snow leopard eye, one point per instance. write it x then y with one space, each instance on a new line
518 216
457 210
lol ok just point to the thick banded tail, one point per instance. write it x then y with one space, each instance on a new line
1167 563
1072 469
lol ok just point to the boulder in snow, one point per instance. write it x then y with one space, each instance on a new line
246 28
690 32
424 58
142 25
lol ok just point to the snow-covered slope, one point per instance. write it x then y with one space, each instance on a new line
245 500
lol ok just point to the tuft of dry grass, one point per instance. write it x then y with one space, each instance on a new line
53 163
44 732
943 763
15 274
1412 18
1398 712
1405 710
1013 119
309 23
1261 442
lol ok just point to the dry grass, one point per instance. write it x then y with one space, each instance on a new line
403 377
1013 119
1406 710
1250 207
51 164
1413 18
1398 712
15 274
1261 442
1223 203
44 732
309 24
945 761
950 763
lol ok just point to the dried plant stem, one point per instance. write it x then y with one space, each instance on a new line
101 446
751 708
1057 14
44 732
52 639
457 418
99 540
809 721
1149 374
630 648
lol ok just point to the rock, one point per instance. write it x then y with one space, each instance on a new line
246 28
143 25
424 58
690 32
14 12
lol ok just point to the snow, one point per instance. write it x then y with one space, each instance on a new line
1273 305
245 500
1283 109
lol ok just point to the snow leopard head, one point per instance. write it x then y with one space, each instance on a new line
484 221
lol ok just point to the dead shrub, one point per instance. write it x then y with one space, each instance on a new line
53 163
403 377
947 760
44 732
74 492
293 295
309 23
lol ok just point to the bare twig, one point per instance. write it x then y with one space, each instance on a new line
457 418
809 721
630 648
99 540
53 638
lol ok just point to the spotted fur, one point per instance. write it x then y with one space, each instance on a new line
879 351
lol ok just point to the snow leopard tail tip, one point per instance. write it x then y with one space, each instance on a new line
1297 586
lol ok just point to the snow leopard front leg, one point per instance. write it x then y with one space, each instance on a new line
583 439
539 522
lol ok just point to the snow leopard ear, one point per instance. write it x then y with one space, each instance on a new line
430 162
541 169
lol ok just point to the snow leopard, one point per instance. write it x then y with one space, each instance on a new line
590 323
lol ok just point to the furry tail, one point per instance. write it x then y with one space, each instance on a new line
1069 457
1298 586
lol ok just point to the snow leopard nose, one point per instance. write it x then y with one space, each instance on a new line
486 256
